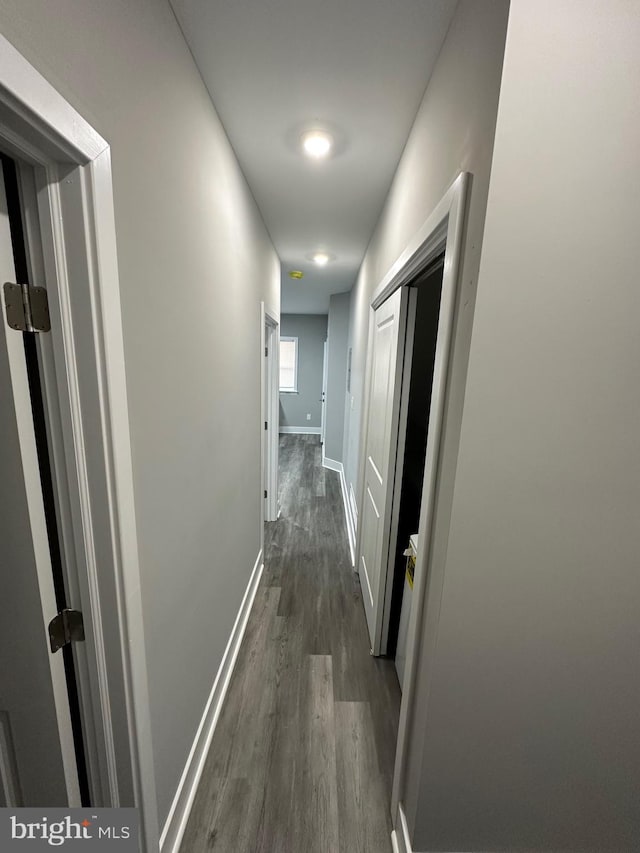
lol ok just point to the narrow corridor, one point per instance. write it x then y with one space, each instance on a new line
302 757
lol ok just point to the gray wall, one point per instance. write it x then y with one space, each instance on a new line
311 331
338 339
453 131
184 217
532 736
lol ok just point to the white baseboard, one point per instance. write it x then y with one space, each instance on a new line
176 823
332 465
352 517
300 430
400 840
351 521
400 835
353 506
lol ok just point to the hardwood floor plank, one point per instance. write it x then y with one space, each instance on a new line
221 827
320 820
239 722
301 799
363 802
320 489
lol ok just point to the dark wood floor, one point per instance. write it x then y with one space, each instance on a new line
302 757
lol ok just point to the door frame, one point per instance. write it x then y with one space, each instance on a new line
384 513
442 231
269 412
56 701
84 375
388 565
403 407
323 401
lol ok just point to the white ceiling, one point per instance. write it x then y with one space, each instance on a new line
277 67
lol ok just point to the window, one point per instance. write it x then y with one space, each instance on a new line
289 364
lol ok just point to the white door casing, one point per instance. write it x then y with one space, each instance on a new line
264 417
442 231
74 215
270 414
37 757
405 349
381 435
323 397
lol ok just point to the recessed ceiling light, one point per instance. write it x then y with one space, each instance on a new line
317 143
321 258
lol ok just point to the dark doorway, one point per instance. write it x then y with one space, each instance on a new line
14 210
420 349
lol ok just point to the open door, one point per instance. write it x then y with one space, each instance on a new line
379 461
37 759
270 401
323 398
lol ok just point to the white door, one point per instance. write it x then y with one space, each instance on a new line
265 415
379 464
271 419
323 399
37 764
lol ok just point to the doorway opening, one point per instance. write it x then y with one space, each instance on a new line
433 255
323 396
68 214
421 336
270 415
23 784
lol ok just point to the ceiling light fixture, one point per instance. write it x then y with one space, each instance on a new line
321 258
317 143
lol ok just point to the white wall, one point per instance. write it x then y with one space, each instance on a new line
532 737
195 261
337 344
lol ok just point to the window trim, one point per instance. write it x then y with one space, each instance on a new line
294 389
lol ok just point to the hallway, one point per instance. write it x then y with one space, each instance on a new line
302 757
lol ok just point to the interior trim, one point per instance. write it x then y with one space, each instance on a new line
300 430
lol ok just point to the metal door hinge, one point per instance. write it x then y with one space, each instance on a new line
266 425
266 351
265 493
67 627
27 307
